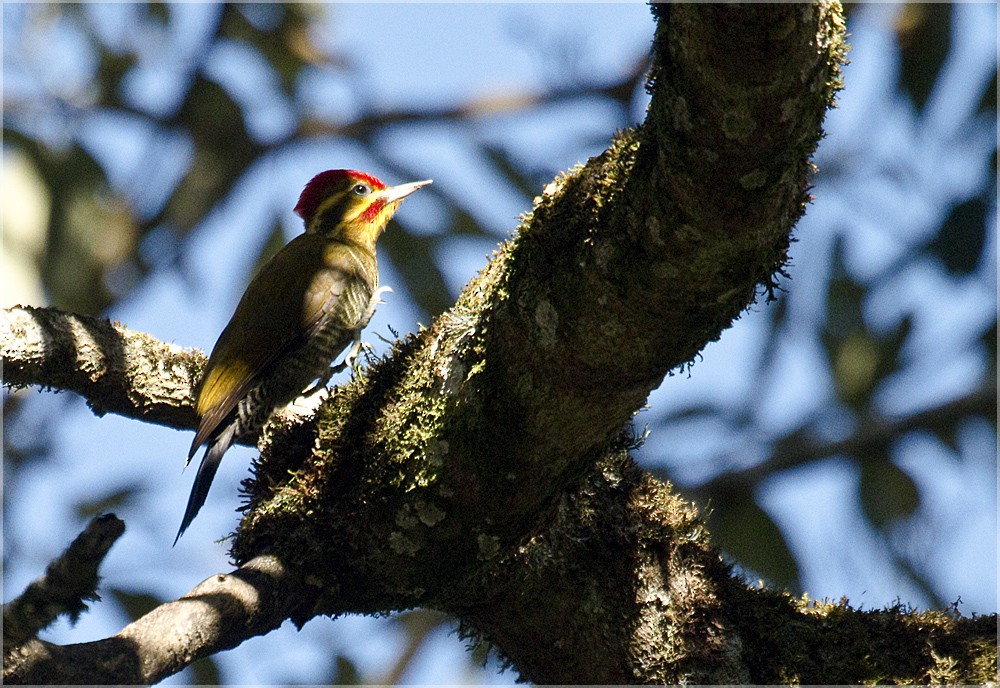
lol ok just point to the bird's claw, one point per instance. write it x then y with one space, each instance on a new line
321 383
305 404
352 359
381 290
352 354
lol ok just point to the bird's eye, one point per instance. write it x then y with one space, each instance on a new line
361 190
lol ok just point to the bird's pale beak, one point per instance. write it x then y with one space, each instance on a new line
392 194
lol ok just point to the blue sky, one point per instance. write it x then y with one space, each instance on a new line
448 54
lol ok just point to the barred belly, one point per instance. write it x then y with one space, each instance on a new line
296 371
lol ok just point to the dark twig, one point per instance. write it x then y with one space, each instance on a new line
68 582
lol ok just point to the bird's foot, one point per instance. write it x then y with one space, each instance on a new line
353 360
352 354
321 383
305 404
356 362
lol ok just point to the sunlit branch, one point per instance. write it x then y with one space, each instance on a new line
115 369
218 614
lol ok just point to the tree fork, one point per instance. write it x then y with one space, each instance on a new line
480 468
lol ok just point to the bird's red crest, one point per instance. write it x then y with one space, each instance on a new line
318 189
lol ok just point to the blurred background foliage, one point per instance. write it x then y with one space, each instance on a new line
864 398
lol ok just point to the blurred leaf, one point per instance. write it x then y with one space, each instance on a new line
948 435
778 309
24 223
859 360
844 297
988 103
135 604
887 493
110 502
27 429
855 362
414 258
464 224
890 347
703 411
990 341
345 673
206 672
280 33
111 69
223 152
91 231
851 349
515 173
748 534
923 32
160 11
420 622
624 92
960 242
274 243
91 255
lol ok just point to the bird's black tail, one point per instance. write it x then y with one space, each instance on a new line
217 446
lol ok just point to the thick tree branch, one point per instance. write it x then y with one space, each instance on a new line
437 467
115 369
625 563
450 450
479 468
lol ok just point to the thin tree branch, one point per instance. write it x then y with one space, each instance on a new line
68 582
218 614
801 448
506 103
115 369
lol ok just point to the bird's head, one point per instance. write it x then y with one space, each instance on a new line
351 205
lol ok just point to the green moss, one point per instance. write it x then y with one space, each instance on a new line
753 180
471 451
738 124
803 641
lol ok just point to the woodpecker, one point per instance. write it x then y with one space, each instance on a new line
304 307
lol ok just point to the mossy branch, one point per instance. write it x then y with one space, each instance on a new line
481 468
454 449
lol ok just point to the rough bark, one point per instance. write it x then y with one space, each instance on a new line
624 270
218 614
115 369
481 468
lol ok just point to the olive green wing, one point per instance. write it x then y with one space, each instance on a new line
285 303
